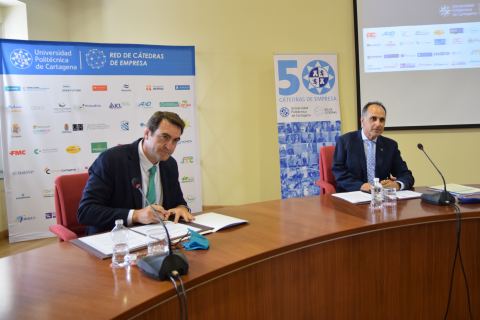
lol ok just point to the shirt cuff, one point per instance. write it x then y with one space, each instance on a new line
402 185
130 218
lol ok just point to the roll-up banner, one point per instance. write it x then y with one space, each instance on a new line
63 103
308 113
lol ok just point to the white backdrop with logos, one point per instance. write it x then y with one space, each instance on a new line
63 103
308 113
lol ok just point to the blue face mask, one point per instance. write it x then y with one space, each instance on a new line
196 241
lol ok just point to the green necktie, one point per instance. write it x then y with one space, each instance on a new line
151 194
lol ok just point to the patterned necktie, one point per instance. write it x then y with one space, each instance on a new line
371 161
151 194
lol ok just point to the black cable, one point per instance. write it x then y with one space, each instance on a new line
181 294
458 253
184 294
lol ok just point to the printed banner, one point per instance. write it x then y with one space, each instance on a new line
308 113
64 103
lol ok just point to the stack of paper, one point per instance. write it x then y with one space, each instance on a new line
363 197
457 189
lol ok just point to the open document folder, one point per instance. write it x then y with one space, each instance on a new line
101 245
364 197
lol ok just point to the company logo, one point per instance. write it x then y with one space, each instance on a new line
99 87
37 151
47 170
424 54
35 88
145 104
124 125
16 130
14 108
115 106
62 108
154 87
40 129
184 142
444 11
12 88
73 149
90 105
48 193
318 77
421 33
190 198
50 215
69 88
97 126
77 126
456 30
24 218
186 179
18 152
182 87
439 42
389 34
97 147
66 128
185 104
126 88
284 112
21 58
439 32
22 197
457 41
371 35
37 108
188 159
169 104
22 172
95 58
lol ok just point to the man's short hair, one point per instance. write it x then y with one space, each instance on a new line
365 107
172 117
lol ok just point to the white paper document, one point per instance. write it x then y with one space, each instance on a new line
363 197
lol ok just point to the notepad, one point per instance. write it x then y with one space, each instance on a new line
217 221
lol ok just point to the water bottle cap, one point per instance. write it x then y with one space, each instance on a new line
376 179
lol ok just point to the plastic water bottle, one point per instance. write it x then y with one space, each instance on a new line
377 195
119 237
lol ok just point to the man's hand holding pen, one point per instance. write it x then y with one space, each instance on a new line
155 212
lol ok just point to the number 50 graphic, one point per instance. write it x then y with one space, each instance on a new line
318 77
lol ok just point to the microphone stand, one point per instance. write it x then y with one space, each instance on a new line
442 198
161 267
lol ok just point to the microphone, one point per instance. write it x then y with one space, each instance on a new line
443 198
161 267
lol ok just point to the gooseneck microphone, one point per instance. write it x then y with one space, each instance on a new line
443 198
161 267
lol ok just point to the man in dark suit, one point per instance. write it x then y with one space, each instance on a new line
109 194
385 162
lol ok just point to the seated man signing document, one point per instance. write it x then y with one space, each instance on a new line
109 194
362 155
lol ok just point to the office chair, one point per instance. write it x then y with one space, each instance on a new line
326 182
68 192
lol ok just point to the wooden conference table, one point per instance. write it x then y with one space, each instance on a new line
310 258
